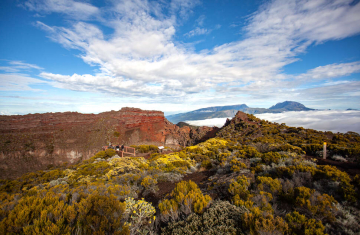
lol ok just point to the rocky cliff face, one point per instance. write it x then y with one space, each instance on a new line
37 141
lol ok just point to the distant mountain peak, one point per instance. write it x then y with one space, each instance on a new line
222 108
290 105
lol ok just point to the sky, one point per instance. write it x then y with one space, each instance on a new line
321 120
176 56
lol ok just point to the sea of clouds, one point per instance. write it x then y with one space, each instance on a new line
323 120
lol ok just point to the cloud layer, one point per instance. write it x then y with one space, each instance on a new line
327 120
219 122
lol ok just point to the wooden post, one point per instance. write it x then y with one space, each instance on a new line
324 151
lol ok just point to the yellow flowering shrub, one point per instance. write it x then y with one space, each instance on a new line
248 152
208 146
240 187
125 165
110 152
272 157
237 201
145 148
149 183
100 214
169 210
186 196
140 216
171 162
331 172
240 192
257 222
222 158
299 224
48 213
8 201
268 184
236 165
120 191
93 169
319 205
289 148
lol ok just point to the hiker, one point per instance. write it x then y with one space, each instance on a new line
117 148
122 147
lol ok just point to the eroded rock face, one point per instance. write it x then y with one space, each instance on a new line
36 141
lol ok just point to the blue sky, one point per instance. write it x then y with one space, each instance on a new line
176 56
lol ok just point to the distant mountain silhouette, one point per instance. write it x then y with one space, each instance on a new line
221 108
290 106
231 110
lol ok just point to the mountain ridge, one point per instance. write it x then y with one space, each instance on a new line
231 110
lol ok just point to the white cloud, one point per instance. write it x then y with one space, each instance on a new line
143 53
200 20
16 66
332 71
22 65
74 9
327 120
219 122
5 112
316 21
18 82
197 31
184 7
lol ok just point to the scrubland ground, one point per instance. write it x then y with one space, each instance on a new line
255 177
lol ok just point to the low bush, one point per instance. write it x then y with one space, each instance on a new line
139 216
186 198
50 213
320 206
299 224
220 218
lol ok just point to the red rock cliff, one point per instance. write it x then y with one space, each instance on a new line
37 141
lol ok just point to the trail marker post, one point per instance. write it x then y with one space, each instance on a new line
324 151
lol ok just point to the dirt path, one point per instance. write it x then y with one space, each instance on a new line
352 168
349 167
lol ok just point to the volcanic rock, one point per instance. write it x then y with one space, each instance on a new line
38 141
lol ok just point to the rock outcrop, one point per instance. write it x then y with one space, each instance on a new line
37 141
